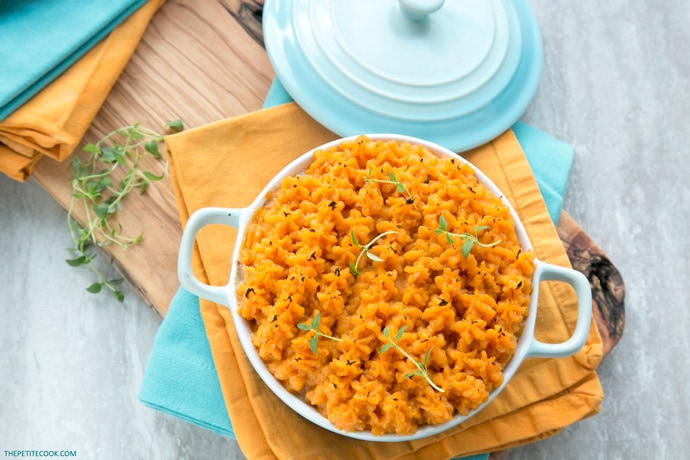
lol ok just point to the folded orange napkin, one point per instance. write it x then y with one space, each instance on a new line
54 121
227 164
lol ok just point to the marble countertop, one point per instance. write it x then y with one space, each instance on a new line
615 84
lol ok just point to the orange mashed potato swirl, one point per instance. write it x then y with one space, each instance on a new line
305 255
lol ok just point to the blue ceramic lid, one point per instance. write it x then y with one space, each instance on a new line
455 72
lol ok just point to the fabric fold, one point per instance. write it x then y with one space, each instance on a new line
193 364
54 120
233 159
68 29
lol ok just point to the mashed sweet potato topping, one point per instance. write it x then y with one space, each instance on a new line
306 260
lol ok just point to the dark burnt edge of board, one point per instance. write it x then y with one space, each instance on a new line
608 287
248 14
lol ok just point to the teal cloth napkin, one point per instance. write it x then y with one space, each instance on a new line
39 40
180 378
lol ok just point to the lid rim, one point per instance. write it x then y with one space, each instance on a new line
346 118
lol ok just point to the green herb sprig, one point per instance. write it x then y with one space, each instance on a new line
469 239
365 250
93 189
399 186
314 327
422 367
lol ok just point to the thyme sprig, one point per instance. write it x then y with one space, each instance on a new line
422 367
314 327
94 189
365 250
399 186
469 239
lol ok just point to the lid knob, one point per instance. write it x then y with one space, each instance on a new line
417 10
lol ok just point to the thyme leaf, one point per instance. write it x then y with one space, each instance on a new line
399 186
468 239
422 367
119 153
365 250
314 327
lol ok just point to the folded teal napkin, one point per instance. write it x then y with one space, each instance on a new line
180 378
41 39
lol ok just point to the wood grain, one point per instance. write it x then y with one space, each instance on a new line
608 289
248 15
195 62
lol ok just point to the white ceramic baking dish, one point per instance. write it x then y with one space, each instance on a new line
528 346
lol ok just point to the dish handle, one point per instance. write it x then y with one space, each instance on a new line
547 272
198 220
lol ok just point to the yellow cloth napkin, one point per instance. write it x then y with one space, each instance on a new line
54 121
227 163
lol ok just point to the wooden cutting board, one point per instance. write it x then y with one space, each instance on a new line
203 61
